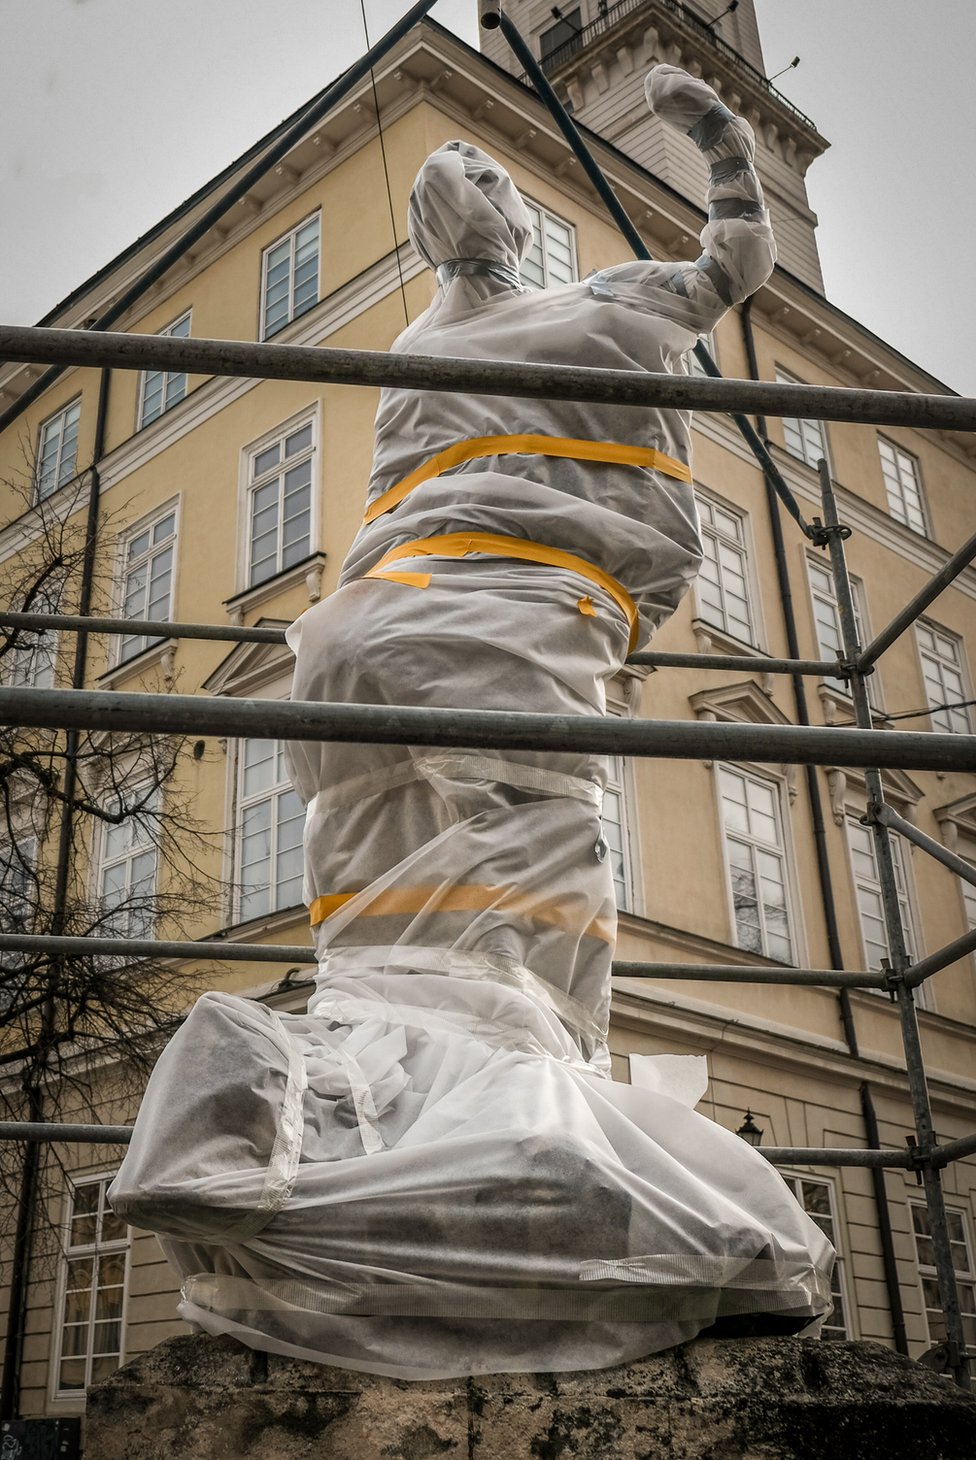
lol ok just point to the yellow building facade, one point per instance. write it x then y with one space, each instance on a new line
230 501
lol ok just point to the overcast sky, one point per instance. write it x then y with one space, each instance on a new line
114 111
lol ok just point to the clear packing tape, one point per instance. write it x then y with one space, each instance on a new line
429 1173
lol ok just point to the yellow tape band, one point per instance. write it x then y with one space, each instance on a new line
464 897
567 446
462 544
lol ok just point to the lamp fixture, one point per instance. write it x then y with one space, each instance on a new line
749 1131
727 11
792 66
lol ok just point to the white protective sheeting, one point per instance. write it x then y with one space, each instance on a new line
429 1173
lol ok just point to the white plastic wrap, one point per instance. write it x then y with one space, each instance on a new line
429 1173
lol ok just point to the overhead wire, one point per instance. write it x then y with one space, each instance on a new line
386 170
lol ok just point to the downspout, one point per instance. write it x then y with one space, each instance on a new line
823 871
29 1193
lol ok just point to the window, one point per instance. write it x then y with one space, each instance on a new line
806 440
290 277
616 833
57 450
903 484
552 257
816 1197
722 587
33 657
867 885
162 389
271 820
126 869
962 1262
94 1274
280 504
564 37
826 618
148 555
756 859
945 685
17 862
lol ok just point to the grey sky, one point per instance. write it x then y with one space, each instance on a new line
114 111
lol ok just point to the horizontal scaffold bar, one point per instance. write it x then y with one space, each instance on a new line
239 634
497 729
120 1135
329 366
214 951
154 627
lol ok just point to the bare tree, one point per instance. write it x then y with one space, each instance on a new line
98 838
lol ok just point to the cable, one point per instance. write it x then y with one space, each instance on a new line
918 714
386 171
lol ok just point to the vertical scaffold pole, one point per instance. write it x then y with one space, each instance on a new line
898 951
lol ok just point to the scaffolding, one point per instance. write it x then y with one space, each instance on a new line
861 745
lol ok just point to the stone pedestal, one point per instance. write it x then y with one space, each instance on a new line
200 1398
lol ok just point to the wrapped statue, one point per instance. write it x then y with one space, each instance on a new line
430 1173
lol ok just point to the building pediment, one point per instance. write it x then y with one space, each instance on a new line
957 819
743 701
250 668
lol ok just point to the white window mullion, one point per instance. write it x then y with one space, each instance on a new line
551 258
126 868
147 562
903 485
962 1262
280 474
867 883
817 1197
804 439
162 389
93 1284
271 820
723 588
755 853
945 682
290 277
57 450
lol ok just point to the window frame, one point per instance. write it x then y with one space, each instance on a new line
840 1273
961 665
96 1250
899 495
547 215
119 657
912 923
169 332
839 686
778 786
100 863
308 416
281 788
785 377
40 494
290 235
747 549
927 1269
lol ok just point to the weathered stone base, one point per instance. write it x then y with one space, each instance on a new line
200 1398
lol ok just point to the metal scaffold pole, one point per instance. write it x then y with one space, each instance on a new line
899 955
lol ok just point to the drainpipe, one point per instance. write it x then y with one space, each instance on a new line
29 1194
823 871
